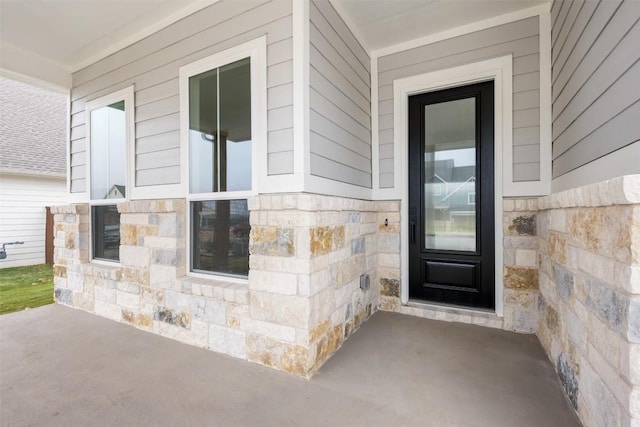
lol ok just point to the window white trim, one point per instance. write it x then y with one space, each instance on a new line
500 70
301 114
126 95
256 50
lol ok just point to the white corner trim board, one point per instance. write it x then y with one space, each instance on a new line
500 70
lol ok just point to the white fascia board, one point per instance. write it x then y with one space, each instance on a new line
145 32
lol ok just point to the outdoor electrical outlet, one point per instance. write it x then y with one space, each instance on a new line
364 282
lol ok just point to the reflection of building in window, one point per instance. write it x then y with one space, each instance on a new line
450 194
471 198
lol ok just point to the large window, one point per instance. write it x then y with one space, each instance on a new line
109 121
218 101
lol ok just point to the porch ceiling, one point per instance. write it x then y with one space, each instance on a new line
49 39
383 23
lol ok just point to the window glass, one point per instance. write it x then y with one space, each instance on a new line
220 237
105 221
220 129
108 152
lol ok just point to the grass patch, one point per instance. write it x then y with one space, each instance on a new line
25 287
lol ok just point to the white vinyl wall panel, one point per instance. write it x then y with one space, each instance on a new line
595 75
22 215
152 65
339 99
520 39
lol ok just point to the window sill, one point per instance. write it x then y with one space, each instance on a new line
217 287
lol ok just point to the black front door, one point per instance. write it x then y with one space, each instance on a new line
451 206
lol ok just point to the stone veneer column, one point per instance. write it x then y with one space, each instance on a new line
590 297
307 255
520 275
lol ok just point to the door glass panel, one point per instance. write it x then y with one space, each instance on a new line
450 175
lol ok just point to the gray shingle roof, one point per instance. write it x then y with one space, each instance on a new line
32 129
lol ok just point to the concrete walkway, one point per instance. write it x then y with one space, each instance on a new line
59 366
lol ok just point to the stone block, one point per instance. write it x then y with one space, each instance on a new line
75 281
135 256
105 295
162 276
228 341
271 330
522 225
136 275
272 241
63 296
284 310
284 356
389 287
520 242
273 282
602 406
169 225
557 248
144 321
520 278
609 305
171 257
110 311
128 287
564 282
358 246
568 379
389 243
605 341
173 317
177 300
633 332
526 258
127 300
321 240
557 220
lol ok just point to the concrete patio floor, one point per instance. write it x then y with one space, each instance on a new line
60 366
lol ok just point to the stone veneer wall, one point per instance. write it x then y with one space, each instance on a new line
589 243
302 298
520 275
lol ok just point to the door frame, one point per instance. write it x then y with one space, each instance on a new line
500 70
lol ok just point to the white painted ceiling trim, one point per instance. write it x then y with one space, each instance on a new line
28 67
464 29
337 5
145 32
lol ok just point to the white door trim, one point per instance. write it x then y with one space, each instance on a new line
500 70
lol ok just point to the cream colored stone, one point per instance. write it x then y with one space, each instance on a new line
526 258
228 341
285 310
274 282
271 330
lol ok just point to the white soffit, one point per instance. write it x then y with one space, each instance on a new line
383 23
75 33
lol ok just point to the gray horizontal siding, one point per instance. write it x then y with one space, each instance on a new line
340 100
595 75
152 65
520 39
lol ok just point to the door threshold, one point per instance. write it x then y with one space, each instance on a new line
451 308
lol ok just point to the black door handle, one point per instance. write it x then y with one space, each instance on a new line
413 231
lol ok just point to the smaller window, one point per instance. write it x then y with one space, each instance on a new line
109 122
471 198
105 230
